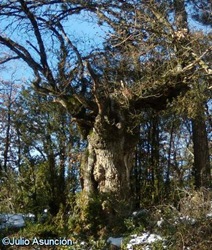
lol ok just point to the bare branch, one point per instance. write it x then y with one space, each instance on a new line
2 61
43 56
96 88
21 52
74 48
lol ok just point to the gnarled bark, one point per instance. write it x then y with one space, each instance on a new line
106 167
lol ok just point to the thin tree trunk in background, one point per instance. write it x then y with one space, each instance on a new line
8 130
202 172
7 139
61 177
169 157
137 173
155 156
53 201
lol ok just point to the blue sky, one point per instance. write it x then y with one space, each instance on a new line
83 31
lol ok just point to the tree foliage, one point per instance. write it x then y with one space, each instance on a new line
46 166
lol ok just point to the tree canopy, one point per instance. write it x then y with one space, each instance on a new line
141 39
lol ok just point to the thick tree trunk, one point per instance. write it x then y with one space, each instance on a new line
109 163
106 168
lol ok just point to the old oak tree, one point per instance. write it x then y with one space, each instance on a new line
147 59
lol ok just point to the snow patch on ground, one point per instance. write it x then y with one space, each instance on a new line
209 215
15 220
115 241
11 221
144 239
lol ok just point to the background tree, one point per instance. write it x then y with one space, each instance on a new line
202 171
8 154
45 172
47 140
8 95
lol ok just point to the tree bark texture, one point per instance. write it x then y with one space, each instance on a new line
106 169
108 160
202 171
